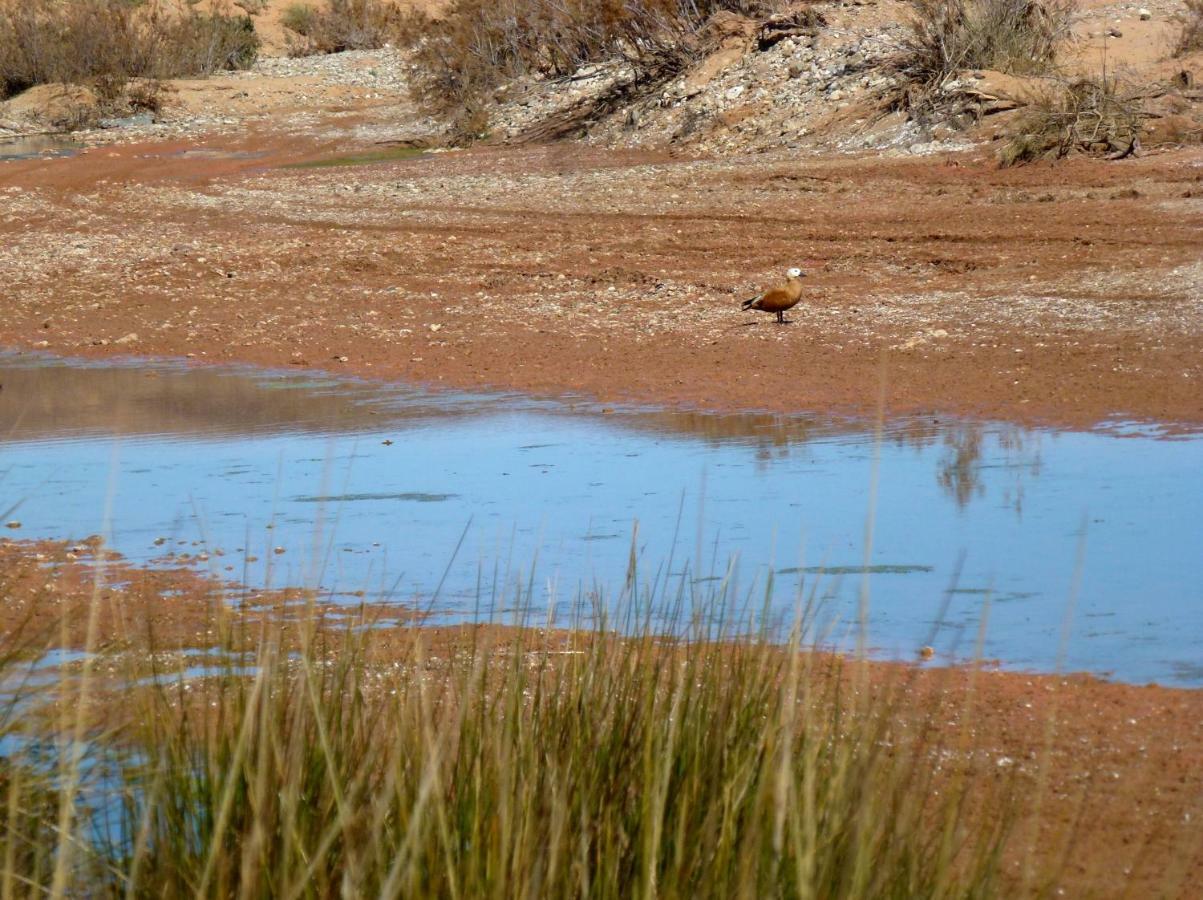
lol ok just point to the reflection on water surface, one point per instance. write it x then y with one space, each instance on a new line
30 146
369 487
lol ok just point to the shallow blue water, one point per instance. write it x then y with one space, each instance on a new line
235 464
31 146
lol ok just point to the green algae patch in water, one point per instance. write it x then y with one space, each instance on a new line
371 157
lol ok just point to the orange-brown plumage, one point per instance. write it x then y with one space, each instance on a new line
780 297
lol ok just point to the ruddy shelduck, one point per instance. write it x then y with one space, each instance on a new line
780 297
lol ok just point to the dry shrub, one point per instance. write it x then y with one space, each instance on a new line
343 25
105 43
1019 37
1190 38
200 44
145 95
478 44
74 116
468 125
298 18
1091 116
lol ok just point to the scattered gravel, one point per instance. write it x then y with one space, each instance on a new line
784 97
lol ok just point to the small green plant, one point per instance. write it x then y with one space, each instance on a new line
391 154
1190 21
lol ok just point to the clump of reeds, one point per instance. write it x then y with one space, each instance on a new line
513 762
1092 116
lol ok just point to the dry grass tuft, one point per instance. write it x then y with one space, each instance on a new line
477 45
105 44
1190 38
344 25
1018 37
1091 116
298 18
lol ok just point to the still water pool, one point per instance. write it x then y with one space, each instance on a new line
370 488
38 145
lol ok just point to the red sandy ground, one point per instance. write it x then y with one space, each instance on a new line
49 590
1062 293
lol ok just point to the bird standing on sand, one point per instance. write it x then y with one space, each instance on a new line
779 298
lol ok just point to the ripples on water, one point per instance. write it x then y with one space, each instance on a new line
370 488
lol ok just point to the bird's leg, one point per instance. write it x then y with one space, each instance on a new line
780 318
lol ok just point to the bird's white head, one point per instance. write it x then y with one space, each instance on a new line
795 273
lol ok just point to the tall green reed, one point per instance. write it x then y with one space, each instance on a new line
507 761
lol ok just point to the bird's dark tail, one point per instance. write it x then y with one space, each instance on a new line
747 304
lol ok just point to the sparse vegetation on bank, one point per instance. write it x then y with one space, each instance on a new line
1018 37
478 44
1058 117
1095 116
339 25
107 45
1190 21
